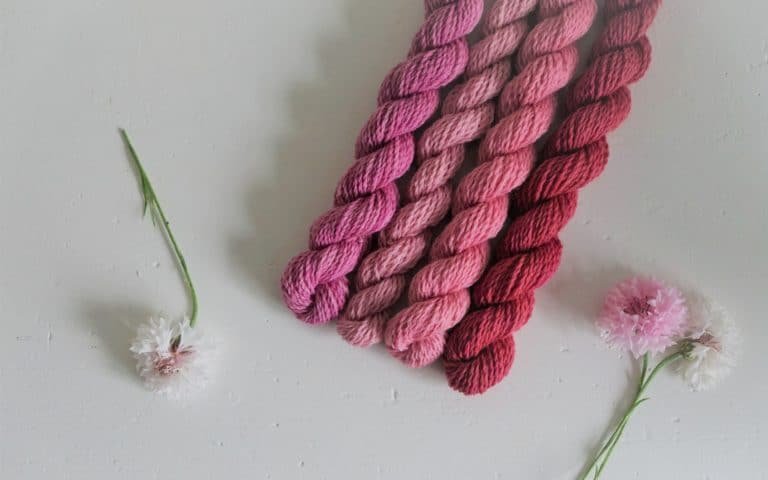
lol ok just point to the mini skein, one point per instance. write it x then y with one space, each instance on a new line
467 112
480 350
314 284
439 293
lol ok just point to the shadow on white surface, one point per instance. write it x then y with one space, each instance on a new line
317 146
115 324
325 114
577 290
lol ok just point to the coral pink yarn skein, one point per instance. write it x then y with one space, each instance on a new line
467 112
480 350
314 284
439 292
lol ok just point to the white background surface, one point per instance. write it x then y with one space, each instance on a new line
245 114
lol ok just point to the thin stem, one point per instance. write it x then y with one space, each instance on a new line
617 431
596 464
601 459
619 428
152 204
643 371
611 444
663 363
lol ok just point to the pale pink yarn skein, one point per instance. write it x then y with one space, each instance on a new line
439 293
314 284
467 112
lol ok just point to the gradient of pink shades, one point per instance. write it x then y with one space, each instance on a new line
508 114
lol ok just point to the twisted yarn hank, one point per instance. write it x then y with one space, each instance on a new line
439 292
480 350
467 112
314 284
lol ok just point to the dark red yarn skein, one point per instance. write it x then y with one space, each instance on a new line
480 350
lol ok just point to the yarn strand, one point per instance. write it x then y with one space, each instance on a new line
439 293
467 112
480 350
315 284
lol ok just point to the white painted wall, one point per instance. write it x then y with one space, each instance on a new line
245 114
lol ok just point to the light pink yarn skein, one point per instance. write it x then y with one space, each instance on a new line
467 112
439 293
314 284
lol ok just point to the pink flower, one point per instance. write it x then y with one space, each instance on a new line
643 315
172 357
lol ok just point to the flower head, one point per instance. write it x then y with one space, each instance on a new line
713 340
643 315
172 357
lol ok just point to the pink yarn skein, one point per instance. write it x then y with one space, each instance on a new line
314 284
439 292
467 112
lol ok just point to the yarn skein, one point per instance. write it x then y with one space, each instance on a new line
480 350
439 293
467 112
314 284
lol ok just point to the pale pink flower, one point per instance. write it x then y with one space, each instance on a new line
714 345
172 357
642 315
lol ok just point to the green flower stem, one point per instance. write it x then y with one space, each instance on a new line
601 459
623 421
636 403
617 431
611 444
152 205
663 363
643 371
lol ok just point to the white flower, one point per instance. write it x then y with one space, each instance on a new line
715 340
172 357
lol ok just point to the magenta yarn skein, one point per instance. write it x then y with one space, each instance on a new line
467 112
314 284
